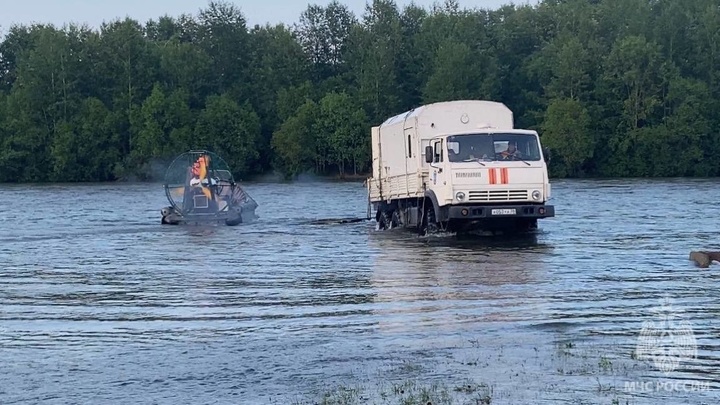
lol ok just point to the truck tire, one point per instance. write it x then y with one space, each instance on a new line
396 222
387 219
429 224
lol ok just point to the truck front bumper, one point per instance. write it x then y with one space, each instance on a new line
500 211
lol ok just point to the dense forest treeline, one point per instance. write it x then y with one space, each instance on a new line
615 87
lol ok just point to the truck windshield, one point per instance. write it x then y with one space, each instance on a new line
490 147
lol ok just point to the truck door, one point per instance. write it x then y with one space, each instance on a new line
424 143
437 174
410 167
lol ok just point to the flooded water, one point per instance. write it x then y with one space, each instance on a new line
99 303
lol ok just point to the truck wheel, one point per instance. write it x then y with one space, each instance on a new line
383 220
526 225
429 224
388 220
395 222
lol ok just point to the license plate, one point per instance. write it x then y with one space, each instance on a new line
504 211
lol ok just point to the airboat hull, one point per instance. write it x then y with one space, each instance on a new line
171 217
201 190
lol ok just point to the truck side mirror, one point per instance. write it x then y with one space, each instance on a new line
546 154
429 152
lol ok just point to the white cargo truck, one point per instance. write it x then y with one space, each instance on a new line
458 166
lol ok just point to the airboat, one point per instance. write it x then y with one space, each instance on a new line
201 189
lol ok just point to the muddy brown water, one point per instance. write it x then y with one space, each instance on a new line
99 303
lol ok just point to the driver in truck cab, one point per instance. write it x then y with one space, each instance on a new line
510 152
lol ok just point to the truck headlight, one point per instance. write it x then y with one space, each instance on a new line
460 195
536 195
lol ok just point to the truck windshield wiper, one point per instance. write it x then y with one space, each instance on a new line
475 160
527 163
518 158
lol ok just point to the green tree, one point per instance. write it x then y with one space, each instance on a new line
295 142
151 139
375 46
566 132
455 76
277 62
231 130
84 149
223 36
340 127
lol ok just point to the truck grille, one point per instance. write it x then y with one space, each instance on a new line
498 195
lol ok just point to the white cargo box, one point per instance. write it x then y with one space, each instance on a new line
398 144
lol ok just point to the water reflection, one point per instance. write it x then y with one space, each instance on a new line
423 283
510 260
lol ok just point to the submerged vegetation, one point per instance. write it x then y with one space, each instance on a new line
615 87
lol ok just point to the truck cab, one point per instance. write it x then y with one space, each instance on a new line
488 179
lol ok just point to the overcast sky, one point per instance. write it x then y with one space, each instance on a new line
94 12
